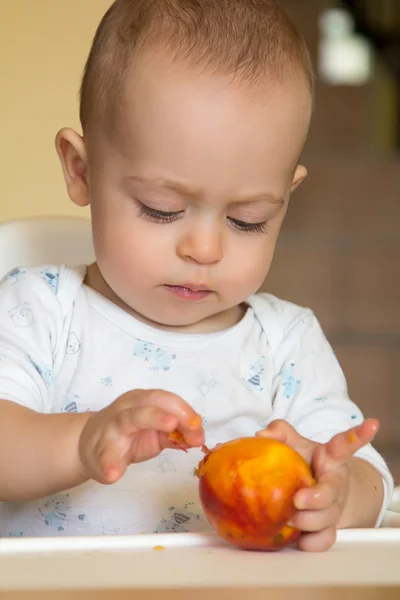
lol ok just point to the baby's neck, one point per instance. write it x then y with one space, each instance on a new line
213 324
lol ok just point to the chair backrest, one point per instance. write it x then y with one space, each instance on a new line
45 240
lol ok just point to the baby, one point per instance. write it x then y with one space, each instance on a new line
194 116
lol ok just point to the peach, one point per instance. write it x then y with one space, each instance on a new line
177 438
247 488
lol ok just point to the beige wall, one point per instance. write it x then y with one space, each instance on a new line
43 47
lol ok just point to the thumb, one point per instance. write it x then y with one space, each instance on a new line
112 462
282 431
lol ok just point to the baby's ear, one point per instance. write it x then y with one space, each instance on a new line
299 176
72 153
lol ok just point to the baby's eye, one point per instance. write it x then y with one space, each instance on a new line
249 227
158 216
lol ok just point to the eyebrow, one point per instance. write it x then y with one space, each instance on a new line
184 190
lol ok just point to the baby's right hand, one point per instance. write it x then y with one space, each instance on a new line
133 429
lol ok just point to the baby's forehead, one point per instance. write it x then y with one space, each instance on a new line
244 38
159 80
167 118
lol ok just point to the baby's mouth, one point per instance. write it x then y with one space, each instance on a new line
189 292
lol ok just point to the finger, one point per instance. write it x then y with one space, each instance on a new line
195 438
145 445
317 542
115 444
284 432
279 430
341 448
111 462
322 495
169 403
134 419
316 520
191 439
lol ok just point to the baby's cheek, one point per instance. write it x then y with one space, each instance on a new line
249 274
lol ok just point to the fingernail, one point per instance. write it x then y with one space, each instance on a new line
299 503
196 422
112 474
262 433
291 524
352 437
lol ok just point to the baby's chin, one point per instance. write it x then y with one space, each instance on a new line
171 321
198 322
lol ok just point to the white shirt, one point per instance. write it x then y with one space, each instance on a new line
66 348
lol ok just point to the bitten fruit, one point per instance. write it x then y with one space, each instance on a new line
247 488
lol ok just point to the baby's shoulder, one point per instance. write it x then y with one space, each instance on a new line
45 285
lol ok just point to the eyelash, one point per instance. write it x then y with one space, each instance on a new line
249 227
159 216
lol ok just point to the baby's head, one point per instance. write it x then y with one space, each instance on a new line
194 116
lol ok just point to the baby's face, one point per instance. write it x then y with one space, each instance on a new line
192 194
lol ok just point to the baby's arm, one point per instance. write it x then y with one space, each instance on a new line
43 450
42 454
39 453
38 450
312 410
365 482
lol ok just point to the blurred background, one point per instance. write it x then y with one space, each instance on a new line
340 249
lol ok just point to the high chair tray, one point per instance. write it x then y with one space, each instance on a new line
360 557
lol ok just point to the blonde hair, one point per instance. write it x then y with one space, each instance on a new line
250 39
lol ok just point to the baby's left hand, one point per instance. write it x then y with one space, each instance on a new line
320 508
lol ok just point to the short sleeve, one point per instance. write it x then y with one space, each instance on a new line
310 390
30 327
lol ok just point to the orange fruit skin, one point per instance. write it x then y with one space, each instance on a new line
176 438
247 488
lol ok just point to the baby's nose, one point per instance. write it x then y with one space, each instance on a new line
203 244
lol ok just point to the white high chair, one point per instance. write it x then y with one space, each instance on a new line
45 240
